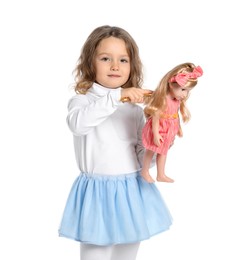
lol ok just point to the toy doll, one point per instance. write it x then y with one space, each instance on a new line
162 112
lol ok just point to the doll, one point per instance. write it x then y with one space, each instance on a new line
162 113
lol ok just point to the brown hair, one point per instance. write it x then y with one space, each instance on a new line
85 73
157 102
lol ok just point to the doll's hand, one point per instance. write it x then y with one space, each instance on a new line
134 95
172 143
180 133
158 139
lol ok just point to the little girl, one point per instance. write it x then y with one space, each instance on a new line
162 111
110 208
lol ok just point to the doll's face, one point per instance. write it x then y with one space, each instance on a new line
178 92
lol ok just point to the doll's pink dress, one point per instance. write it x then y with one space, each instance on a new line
168 128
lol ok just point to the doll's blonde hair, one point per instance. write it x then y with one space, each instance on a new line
85 73
157 102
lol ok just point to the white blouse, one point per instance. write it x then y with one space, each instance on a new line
107 132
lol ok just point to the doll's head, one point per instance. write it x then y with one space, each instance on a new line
185 75
85 72
182 76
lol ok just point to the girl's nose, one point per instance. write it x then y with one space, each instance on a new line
114 66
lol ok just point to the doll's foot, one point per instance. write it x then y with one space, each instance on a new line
148 178
164 178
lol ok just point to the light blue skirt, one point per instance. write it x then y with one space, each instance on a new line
107 210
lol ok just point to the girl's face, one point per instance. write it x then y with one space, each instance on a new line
112 63
178 92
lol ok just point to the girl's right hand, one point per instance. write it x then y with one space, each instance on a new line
134 95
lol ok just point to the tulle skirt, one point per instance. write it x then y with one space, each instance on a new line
106 210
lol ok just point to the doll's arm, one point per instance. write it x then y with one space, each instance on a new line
180 131
158 139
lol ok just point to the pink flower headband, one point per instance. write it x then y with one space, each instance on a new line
182 78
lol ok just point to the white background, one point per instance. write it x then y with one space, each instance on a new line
39 47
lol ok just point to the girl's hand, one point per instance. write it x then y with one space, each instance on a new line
158 139
134 95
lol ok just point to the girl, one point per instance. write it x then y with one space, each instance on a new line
110 208
163 120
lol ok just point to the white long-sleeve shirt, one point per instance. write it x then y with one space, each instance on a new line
107 132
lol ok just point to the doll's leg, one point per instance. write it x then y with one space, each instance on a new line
161 162
94 252
147 158
125 251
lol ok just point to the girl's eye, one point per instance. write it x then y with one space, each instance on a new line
109 59
105 59
124 60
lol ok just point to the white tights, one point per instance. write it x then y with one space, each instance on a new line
114 252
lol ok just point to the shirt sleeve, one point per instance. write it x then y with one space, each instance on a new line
85 113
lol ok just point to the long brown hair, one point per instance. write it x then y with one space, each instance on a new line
157 102
85 73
